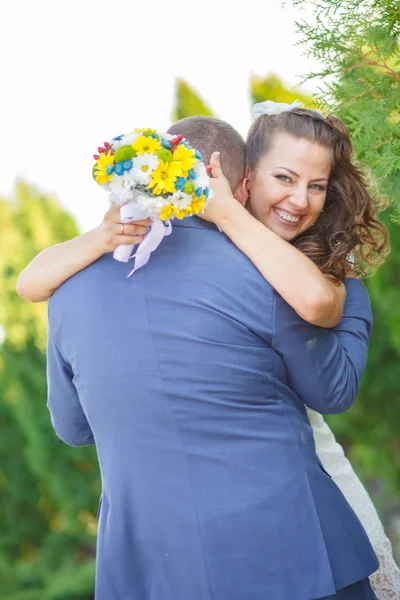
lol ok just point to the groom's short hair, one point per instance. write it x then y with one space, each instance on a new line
209 135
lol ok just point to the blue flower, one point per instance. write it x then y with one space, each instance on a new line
166 144
199 192
119 169
198 155
192 174
206 192
180 183
119 137
127 165
110 170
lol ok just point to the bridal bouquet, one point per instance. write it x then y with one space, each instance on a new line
154 175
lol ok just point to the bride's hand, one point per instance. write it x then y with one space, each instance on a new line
220 205
114 233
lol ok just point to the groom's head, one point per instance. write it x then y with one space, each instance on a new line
209 135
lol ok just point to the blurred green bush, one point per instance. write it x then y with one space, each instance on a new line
48 491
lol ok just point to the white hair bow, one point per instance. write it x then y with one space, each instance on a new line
275 108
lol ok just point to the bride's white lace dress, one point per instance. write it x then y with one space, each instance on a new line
385 581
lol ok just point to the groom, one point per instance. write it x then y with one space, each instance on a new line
211 486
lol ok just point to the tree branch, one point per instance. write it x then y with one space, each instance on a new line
370 62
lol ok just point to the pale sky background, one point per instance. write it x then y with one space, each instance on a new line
77 73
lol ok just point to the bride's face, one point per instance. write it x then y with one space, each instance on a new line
287 191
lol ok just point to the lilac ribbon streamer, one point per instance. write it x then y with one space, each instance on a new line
159 229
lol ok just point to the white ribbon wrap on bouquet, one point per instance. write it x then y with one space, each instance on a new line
159 229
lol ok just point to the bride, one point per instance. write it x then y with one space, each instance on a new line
262 197
325 221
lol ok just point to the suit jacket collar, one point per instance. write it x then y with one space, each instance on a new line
194 222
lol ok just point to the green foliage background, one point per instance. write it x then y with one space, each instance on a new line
49 491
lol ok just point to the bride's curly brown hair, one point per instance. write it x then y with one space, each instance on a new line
347 234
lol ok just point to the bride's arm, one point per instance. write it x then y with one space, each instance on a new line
297 279
294 276
51 267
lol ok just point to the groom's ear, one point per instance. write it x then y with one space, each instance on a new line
241 192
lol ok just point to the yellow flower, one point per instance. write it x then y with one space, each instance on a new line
180 214
142 129
185 158
193 209
196 206
171 210
167 212
175 169
163 179
100 168
146 145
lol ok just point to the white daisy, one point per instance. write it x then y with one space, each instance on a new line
117 184
127 194
181 200
152 206
124 140
114 199
143 166
129 178
202 180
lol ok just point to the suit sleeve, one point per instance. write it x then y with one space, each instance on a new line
67 416
324 366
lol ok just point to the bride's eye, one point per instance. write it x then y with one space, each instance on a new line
283 178
318 187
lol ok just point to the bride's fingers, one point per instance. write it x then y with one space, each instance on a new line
215 164
145 222
128 240
113 215
130 228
